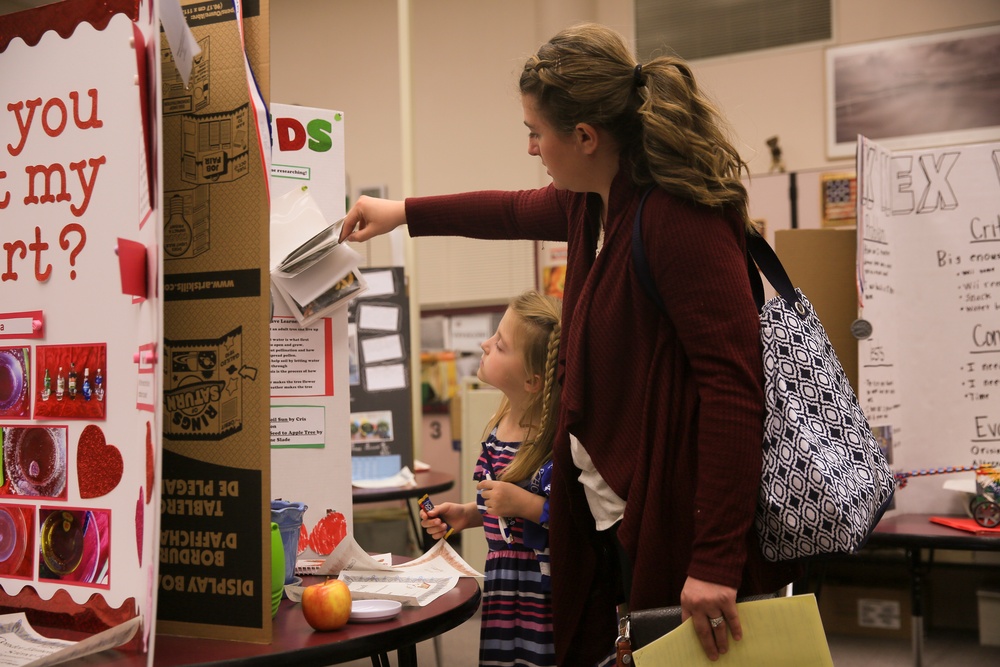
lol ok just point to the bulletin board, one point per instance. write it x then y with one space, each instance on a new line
929 282
379 368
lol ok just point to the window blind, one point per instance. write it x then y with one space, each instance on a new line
710 28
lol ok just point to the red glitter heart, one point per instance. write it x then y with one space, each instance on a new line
139 518
149 462
98 465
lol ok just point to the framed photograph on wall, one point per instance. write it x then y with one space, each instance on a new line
839 199
912 92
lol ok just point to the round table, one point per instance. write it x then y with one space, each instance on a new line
429 482
295 643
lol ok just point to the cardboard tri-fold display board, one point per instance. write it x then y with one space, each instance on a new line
214 569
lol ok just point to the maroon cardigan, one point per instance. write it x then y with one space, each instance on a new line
670 408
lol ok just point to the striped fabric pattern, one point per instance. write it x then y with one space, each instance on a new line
517 605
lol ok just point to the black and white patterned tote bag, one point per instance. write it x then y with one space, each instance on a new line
825 483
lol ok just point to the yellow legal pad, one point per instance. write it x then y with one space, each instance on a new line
776 632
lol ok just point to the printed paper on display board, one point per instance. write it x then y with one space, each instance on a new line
310 402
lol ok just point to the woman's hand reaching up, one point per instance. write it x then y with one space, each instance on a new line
370 217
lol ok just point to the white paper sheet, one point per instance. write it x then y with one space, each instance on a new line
378 318
22 646
381 378
380 283
310 283
440 560
382 348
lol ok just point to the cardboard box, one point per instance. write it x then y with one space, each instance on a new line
989 617
866 612
821 262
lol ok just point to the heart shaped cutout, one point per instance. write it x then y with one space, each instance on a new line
150 462
140 518
99 465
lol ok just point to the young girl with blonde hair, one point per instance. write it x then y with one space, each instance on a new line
514 475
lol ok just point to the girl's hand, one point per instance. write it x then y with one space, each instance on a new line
703 601
506 499
454 514
370 217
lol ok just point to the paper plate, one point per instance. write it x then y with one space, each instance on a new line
372 611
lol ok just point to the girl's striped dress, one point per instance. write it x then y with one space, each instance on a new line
517 600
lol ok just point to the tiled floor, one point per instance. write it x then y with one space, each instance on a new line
952 649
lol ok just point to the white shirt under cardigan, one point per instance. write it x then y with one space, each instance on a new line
605 505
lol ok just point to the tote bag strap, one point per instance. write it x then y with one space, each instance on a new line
759 254
639 258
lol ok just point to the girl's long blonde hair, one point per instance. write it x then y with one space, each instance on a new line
538 329
671 134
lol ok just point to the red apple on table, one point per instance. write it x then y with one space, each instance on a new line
327 606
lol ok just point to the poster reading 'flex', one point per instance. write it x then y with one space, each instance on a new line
929 273
78 334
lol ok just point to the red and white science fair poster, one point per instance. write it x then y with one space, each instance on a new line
80 318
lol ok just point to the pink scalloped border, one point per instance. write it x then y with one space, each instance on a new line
62 17
61 612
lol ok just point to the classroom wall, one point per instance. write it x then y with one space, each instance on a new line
467 118
783 91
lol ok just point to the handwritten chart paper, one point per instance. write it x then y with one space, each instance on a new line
929 282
